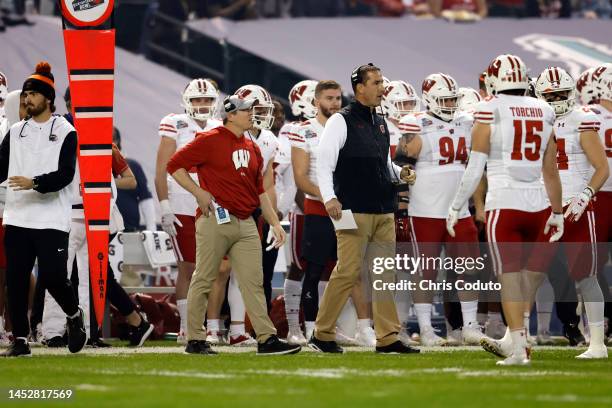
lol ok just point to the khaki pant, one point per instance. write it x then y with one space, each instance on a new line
240 241
374 237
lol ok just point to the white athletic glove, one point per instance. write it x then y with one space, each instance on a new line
168 219
451 221
554 221
579 204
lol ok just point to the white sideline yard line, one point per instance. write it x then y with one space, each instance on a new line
570 398
238 350
93 387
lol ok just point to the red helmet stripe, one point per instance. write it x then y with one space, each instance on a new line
513 68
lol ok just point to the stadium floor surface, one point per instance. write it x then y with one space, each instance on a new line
161 375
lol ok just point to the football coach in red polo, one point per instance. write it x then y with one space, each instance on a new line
229 169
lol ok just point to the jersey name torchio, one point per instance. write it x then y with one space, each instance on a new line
520 133
440 165
575 169
307 138
604 117
267 143
182 129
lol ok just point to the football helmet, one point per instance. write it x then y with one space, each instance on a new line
410 124
602 79
200 88
554 80
506 72
263 110
587 92
436 89
468 98
3 87
301 98
399 99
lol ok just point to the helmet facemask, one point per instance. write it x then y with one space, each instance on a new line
263 116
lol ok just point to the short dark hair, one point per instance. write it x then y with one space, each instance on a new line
360 74
325 85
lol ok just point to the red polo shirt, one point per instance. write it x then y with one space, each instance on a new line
228 167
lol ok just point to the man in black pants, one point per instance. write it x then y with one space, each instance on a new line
37 223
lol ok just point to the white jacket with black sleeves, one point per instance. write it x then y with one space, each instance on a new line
45 151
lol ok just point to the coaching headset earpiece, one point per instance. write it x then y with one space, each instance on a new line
356 74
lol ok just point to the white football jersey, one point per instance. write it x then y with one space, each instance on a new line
308 138
440 165
575 169
521 129
283 171
267 143
394 136
182 129
4 128
604 117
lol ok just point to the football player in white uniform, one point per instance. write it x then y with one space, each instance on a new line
467 100
519 151
441 151
178 207
302 101
602 83
579 151
3 94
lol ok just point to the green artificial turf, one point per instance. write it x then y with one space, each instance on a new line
356 379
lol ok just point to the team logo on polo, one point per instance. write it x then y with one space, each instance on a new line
241 158
82 5
576 53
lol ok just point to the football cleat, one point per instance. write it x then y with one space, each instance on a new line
544 339
472 334
295 336
215 338
572 333
366 337
515 361
454 338
594 352
497 347
242 340
431 339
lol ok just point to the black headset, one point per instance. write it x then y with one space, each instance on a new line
356 74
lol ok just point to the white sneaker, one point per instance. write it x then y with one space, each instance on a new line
344 340
515 361
499 348
495 329
406 338
454 338
295 336
181 338
544 339
431 339
215 337
593 353
472 334
366 337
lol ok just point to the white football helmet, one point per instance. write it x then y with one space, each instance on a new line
554 80
468 98
602 79
410 124
3 87
200 88
263 110
587 93
506 72
399 99
436 89
301 98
